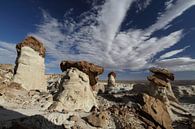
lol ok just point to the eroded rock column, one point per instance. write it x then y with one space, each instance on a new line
161 86
30 67
75 88
111 79
162 90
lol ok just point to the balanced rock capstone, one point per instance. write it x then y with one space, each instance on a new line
90 69
29 70
160 84
161 89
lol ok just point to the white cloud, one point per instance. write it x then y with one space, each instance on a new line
178 64
142 4
172 53
170 14
169 4
7 53
97 37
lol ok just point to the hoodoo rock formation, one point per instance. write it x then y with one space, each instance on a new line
162 90
75 92
30 68
160 82
90 69
111 79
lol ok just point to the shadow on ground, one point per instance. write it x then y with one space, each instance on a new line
14 120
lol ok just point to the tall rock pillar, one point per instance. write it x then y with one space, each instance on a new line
30 67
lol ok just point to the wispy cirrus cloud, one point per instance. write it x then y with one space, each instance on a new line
172 53
178 64
7 52
97 37
172 12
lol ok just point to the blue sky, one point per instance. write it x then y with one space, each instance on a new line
127 36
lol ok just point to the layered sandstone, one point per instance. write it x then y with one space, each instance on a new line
75 92
160 84
30 64
155 111
160 88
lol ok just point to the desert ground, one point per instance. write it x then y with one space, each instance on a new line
24 109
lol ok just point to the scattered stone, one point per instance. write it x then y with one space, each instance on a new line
125 117
90 69
30 68
100 119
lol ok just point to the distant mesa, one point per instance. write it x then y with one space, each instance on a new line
90 69
29 70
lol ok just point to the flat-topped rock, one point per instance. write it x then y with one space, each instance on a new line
32 43
90 69
162 71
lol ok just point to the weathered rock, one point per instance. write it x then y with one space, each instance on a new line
6 74
32 43
98 88
156 81
30 67
99 119
75 92
161 86
154 110
90 69
125 117
111 79
162 71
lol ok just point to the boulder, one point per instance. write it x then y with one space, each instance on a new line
75 92
30 68
162 71
155 111
157 81
111 79
90 69
33 43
